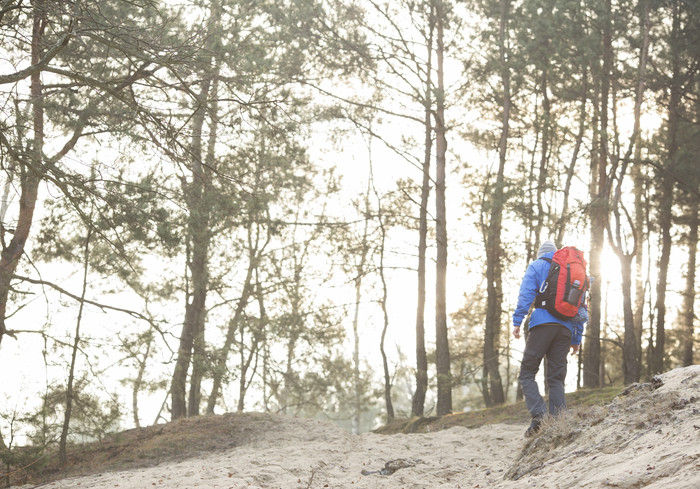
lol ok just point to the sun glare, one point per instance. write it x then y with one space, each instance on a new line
609 265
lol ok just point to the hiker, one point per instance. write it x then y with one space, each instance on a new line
549 335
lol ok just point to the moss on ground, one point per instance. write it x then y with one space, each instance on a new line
509 413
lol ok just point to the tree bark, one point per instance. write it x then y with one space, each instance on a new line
665 222
359 274
70 393
222 356
632 341
689 295
546 129
138 383
442 360
385 363
640 226
418 403
599 211
258 333
666 196
494 393
196 193
29 171
199 359
630 363
561 224
638 180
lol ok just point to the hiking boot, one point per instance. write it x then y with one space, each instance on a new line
535 426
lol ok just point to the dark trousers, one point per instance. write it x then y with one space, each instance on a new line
552 341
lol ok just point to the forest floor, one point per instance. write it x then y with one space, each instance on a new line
645 436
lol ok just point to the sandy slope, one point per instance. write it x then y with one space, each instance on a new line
648 438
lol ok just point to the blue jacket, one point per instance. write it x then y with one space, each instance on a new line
534 277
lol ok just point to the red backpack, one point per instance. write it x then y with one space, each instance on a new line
564 290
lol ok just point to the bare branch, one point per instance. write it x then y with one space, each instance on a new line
104 307
43 63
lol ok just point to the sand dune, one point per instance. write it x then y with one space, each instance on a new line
648 438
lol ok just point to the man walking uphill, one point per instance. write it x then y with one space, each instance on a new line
552 333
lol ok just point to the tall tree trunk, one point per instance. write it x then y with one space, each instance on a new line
244 364
199 358
494 286
630 360
198 233
70 393
640 226
246 375
30 171
599 210
666 196
418 404
289 375
359 275
357 393
630 363
442 347
219 367
198 197
689 295
632 341
689 313
639 197
385 363
138 381
546 129
199 354
665 221
564 218
592 354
